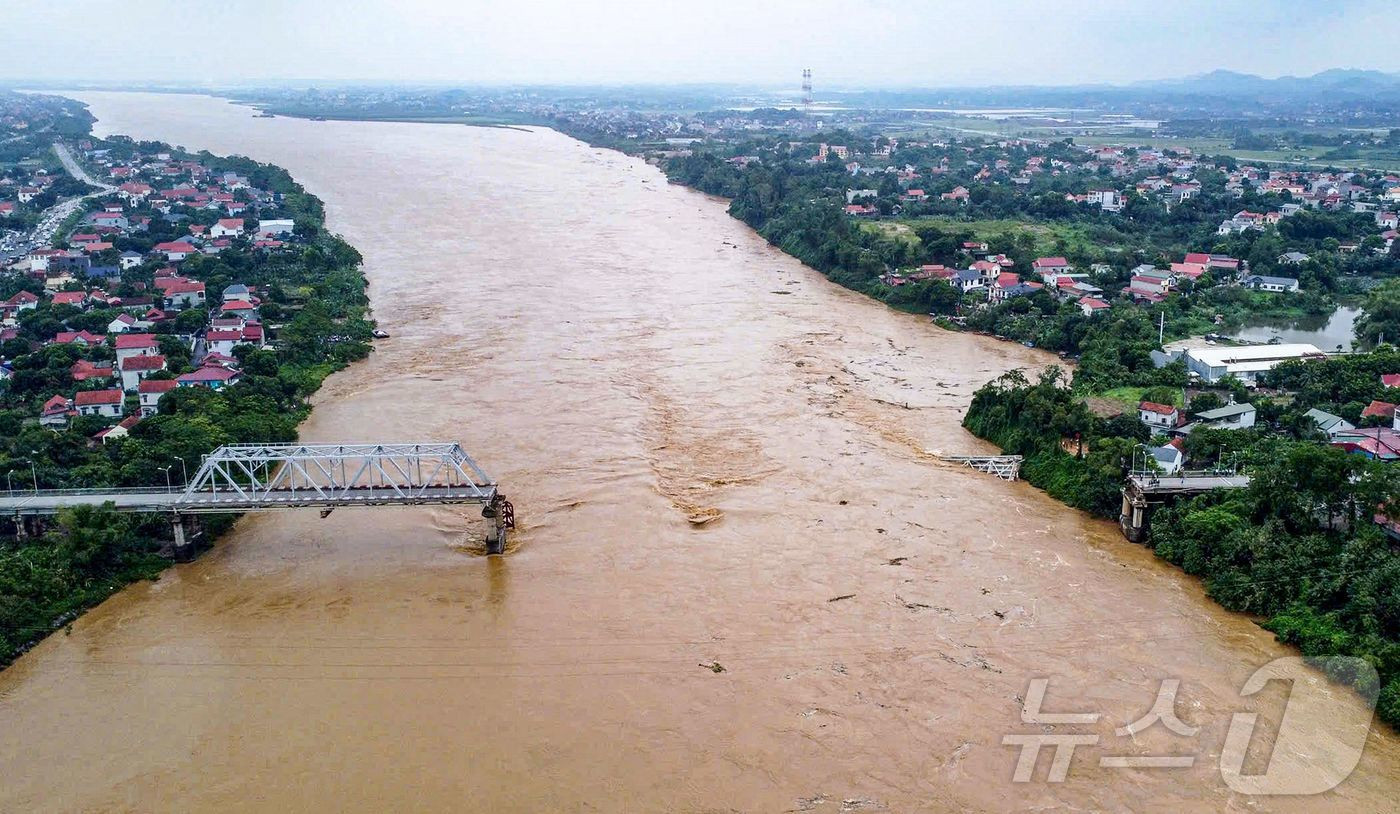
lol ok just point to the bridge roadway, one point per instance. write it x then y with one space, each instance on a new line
177 501
1189 484
265 477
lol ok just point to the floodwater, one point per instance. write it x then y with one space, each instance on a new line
720 461
1335 331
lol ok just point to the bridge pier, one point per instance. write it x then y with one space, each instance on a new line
1135 516
502 516
183 550
28 525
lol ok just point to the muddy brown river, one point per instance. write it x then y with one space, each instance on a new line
629 361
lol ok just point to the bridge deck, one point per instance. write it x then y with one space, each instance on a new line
177 502
1185 485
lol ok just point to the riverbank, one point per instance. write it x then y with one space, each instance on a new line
308 285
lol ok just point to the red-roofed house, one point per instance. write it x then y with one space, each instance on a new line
1188 270
150 391
1050 265
176 251
1390 380
1092 305
1379 409
79 338
1377 443
119 430
55 413
135 369
180 293
21 301
129 345
227 227
75 298
105 403
1158 416
82 370
240 308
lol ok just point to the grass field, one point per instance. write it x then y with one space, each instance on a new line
1047 235
1132 396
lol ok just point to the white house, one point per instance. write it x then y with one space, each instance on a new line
117 431
129 345
177 250
227 227
129 260
121 324
135 369
1169 458
1156 416
1229 417
1263 282
150 391
104 403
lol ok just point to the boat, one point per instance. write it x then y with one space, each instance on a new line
379 334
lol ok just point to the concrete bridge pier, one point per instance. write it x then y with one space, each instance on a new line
183 550
28 525
1134 516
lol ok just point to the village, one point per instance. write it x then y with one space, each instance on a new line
1148 178
114 288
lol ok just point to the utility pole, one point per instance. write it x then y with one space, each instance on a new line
1161 327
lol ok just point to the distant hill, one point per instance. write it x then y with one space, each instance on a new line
1321 86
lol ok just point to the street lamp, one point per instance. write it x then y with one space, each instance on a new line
9 481
34 471
184 470
166 470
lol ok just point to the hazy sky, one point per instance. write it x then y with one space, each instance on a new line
845 42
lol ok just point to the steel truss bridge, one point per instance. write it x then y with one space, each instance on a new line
266 477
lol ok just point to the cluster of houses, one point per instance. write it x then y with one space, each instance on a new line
145 188
1380 442
15 191
139 369
993 274
1174 181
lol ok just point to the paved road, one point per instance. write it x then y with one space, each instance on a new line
54 216
74 169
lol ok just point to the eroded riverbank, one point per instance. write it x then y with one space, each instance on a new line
612 348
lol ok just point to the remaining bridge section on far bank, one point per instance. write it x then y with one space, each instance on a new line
1144 491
